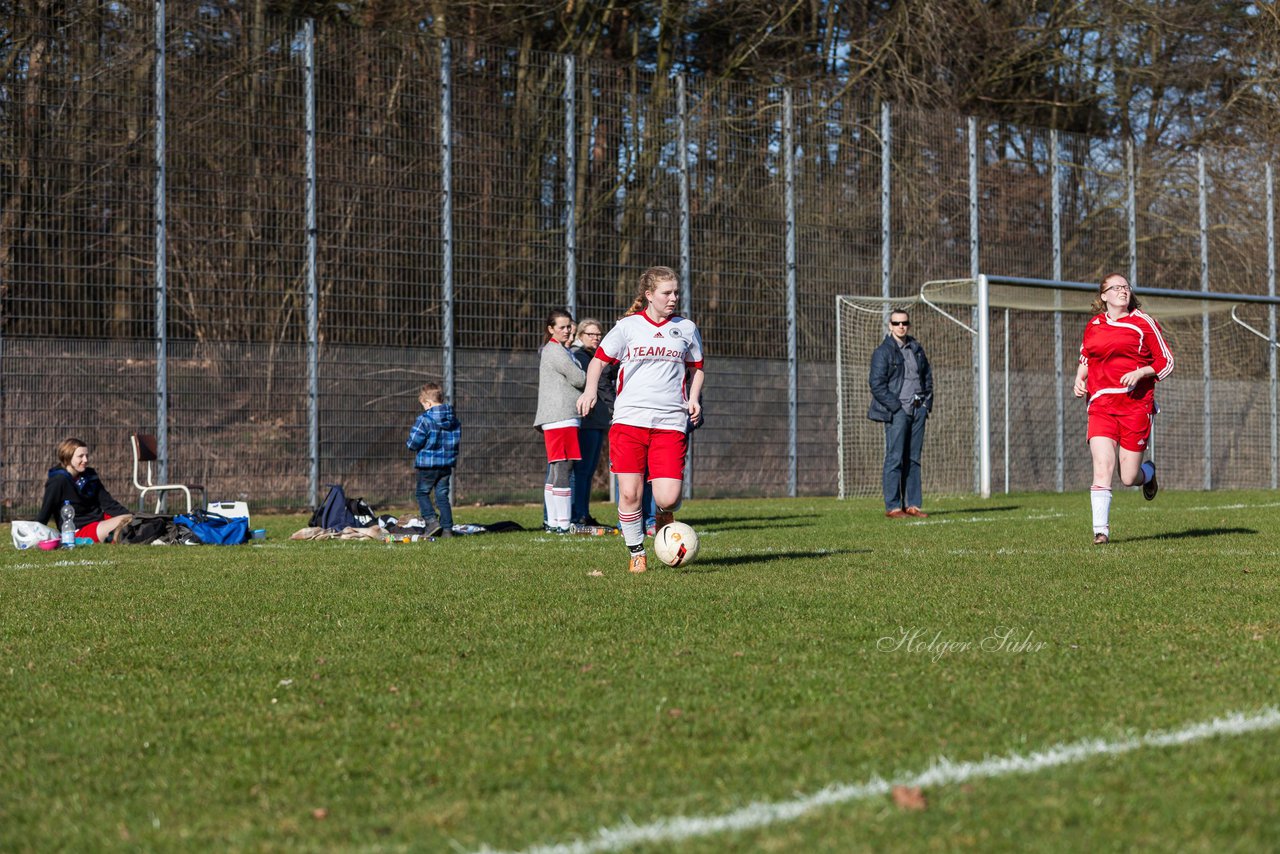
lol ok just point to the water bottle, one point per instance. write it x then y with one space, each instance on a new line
68 525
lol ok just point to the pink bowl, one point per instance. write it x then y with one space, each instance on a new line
50 545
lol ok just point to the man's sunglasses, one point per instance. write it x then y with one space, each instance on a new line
899 322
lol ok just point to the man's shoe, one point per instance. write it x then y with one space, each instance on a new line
637 564
1150 487
664 518
434 529
917 512
587 521
1101 539
896 513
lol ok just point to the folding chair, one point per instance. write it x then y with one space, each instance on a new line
144 454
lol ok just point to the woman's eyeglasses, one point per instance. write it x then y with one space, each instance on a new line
1124 288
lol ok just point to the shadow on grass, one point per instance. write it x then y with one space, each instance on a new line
712 521
1188 534
1000 509
716 564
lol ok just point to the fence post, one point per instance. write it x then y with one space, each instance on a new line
1204 321
313 291
1131 210
886 207
686 260
446 218
161 281
980 366
984 387
793 377
1271 319
1059 395
570 191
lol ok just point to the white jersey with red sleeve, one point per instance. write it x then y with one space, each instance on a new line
1113 348
653 360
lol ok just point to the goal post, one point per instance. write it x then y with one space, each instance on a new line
1004 351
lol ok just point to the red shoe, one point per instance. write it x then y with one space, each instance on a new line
896 513
917 512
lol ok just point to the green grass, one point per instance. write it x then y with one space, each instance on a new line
490 691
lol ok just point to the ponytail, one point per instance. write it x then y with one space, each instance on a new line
648 281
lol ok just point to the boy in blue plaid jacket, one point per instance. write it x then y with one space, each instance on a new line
435 436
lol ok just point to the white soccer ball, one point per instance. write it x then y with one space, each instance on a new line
676 544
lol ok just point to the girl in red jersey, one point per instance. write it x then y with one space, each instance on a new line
655 350
1122 356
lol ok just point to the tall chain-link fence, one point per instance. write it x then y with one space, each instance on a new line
257 238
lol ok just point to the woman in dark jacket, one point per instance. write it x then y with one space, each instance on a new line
98 515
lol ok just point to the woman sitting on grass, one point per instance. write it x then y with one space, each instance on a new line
98 515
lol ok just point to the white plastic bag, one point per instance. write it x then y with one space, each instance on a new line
30 534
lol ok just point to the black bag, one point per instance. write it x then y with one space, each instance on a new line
145 528
333 514
364 514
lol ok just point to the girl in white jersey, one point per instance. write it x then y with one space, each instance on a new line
656 350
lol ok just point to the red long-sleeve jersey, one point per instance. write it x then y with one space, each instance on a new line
1113 348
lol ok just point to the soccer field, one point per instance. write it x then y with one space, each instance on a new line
821 679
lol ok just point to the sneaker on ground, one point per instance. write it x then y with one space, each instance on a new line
1101 539
1150 487
433 530
637 564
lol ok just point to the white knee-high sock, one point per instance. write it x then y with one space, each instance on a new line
549 502
632 525
562 504
1100 498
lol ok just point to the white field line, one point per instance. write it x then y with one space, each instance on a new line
942 772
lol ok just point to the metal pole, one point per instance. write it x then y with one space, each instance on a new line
313 287
686 219
793 378
448 343
686 258
1007 410
570 184
1060 389
1204 322
161 249
840 398
886 207
1271 320
1131 211
984 388
982 415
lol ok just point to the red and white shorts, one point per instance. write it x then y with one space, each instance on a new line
635 450
90 531
562 444
1130 429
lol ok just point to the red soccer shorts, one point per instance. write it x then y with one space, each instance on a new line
633 450
562 444
91 530
1131 430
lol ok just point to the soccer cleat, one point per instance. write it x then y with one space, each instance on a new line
664 518
1101 539
917 512
1149 486
637 564
896 513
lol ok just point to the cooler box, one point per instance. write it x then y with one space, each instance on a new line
230 509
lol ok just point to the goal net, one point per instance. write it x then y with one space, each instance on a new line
1217 427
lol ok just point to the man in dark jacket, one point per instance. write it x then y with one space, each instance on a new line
901 397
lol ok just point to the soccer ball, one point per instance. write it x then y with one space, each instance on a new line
676 544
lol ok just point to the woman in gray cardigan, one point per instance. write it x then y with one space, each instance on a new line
560 380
